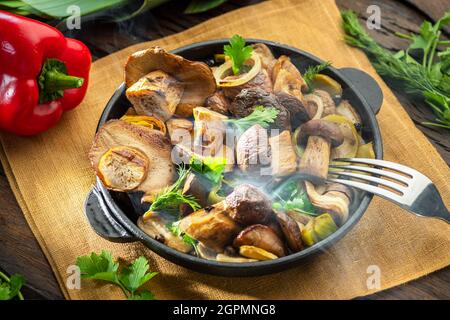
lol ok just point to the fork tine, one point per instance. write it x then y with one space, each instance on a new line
369 188
381 163
379 172
383 182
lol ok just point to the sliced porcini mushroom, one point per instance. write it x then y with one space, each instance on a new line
248 205
260 236
266 56
209 131
298 112
287 78
335 200
123 168
349 146
155 94
155 226
143 145
329 107
314 106
284 159
196 77
181 131
253 252
320 135
218 102
197 187
226 258
291 231
346 110
261 80
212 226
248 99
205 252
253 149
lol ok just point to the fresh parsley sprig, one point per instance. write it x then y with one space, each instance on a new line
291 197
172 196
10 286
129 279
261 115
312 71
429 77
238 52
210 167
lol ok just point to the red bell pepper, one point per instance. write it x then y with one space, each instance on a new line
42 74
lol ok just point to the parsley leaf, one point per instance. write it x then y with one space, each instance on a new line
290 197
131 278
238 52
10 287
210 167
261 115
312 71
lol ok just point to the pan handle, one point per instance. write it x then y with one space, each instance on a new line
366 85
101 220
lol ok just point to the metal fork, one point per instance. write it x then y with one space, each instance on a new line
407 187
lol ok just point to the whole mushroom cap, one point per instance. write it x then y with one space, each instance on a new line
196 77
321 128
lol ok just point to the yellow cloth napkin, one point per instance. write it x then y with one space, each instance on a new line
50 176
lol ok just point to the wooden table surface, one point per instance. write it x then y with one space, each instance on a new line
19 250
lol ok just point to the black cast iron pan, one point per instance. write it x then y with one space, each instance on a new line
113 215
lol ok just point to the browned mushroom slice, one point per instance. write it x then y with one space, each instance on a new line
260 236
286 78
123 168
209 132
155 94
346 109
291 231
218 102
148 142
248 99
261 80
266 56
253 149
299 113
335 200
247 205
320 135
196 77
212 226
155 227
284 159
181 131
329 107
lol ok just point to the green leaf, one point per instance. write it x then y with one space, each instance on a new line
143 295
100 267
16 282
211 168
261 115
58 9
238 52
197 6
312 71
5 291
175 229
136 274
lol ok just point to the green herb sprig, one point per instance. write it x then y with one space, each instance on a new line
174 227
312 71
238 52
429 77
172 196
290 197
210 167
10 286
129 279
261 115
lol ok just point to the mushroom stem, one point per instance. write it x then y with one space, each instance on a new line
315 160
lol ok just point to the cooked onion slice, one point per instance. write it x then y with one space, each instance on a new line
223 79
146 121
123 168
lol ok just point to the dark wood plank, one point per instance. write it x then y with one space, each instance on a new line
20 251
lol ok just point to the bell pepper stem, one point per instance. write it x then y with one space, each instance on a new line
55 80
